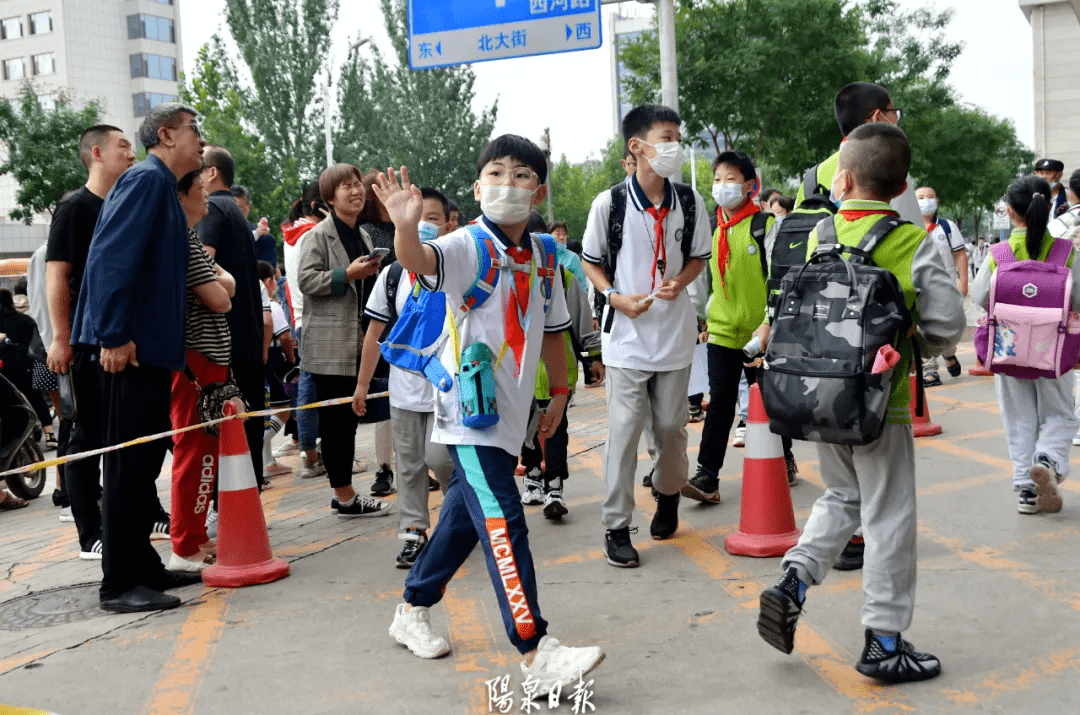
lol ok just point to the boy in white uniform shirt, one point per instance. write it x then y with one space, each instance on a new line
412 397
649 326
522 319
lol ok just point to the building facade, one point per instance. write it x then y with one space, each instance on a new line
123 53
1055 27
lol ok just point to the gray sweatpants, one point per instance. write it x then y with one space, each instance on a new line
873 485
631 394
416 453
1039 419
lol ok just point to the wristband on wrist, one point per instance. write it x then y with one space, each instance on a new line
607 293
559 391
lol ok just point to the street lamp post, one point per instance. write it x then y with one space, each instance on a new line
545 146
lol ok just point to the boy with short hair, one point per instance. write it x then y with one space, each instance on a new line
412 398
522 319
649 327
874 483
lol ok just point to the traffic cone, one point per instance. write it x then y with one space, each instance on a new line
244 557
921 426
766 517
979 370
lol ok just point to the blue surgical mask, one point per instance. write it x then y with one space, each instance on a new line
428 231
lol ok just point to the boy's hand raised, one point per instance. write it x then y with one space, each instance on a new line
401 200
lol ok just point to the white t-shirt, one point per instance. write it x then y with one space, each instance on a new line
277 314
407 391
663 337
947 244
455 271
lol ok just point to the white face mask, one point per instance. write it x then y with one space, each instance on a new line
836 199
505 205
669 158
928 207
428 231
728 195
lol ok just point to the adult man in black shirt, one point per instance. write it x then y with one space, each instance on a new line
228 238
106 153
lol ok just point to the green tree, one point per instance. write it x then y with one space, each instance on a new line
43 149
391 115
574 186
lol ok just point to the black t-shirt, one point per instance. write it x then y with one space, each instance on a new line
70 234
226 230
354 246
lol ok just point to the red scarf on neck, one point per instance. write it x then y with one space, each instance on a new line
722 250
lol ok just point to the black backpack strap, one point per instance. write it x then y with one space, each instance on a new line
688 202
826 232
920 388
615 229
877 233
759 227
393 280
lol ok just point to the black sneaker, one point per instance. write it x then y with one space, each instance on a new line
931 379
646 481
362 506
60 498
1029 502
160 530
903 665
415 541
851 557
665 521
433 484
703 487
618 549
384 482
696 413
792 470
780 609
953 365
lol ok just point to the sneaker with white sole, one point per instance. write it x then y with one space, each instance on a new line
1046 479
559 665
362 506
288 449
739 440
1028 503
554 504
275 470
1076 440
313 471
900 664
94 554
211 523
65 515
534 489
160 530
412 629
197 563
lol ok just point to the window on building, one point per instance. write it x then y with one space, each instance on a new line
153 66
44 63
11 28
141 102
15 68
40 23
47 102
151 27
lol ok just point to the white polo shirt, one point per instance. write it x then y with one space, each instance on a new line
663 337
408 391
456 268
947 244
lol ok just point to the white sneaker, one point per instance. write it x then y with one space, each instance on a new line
275 470
195 564
288 449
1076 441
94 554
211 524
534 492
412 629
65 515
558 664
313 471
740 435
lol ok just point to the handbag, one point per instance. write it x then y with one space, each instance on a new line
212 398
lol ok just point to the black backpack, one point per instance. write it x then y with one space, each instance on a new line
831 318
688 203
789 249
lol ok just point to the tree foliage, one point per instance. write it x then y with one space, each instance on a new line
42 149
391 115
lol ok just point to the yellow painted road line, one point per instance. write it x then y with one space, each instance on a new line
19 661
178 685
1006 681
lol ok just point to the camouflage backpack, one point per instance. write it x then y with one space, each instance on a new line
830 320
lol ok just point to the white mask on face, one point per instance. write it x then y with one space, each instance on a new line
728 195
669 158
928 207
428 231
505 205
836 199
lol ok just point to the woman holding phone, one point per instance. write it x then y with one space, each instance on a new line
337 272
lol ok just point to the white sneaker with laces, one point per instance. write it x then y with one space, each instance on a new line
288 449
534 491
555 664
275 470
312 471
740 435
412 629
195 564
211 524
65 515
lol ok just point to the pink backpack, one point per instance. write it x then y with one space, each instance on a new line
1029 331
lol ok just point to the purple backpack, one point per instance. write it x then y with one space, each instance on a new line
1029 331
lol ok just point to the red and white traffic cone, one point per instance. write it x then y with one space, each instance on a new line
921 426
244 557
766 517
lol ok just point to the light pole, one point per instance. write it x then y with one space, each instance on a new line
326 99
545 146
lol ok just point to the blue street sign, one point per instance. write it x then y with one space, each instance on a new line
454 32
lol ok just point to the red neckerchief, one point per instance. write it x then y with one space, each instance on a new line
856 214
723 251
660 250
518 304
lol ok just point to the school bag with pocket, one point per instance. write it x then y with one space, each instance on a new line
831 318
1029 330
789 248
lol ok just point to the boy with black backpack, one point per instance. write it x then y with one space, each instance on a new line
868 479
646 240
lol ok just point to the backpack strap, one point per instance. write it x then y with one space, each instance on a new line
826 232
877 233
548 271
393 280
688 203
947 229
615 229
758 228
1059 252
1002 253
811 185
487 271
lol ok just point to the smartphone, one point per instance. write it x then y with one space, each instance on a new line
378 254
68 408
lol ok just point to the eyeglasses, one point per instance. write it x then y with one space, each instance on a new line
520 175
194 127
897 111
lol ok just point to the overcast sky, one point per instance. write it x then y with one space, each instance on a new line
571 92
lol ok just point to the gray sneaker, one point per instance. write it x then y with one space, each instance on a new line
313 471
